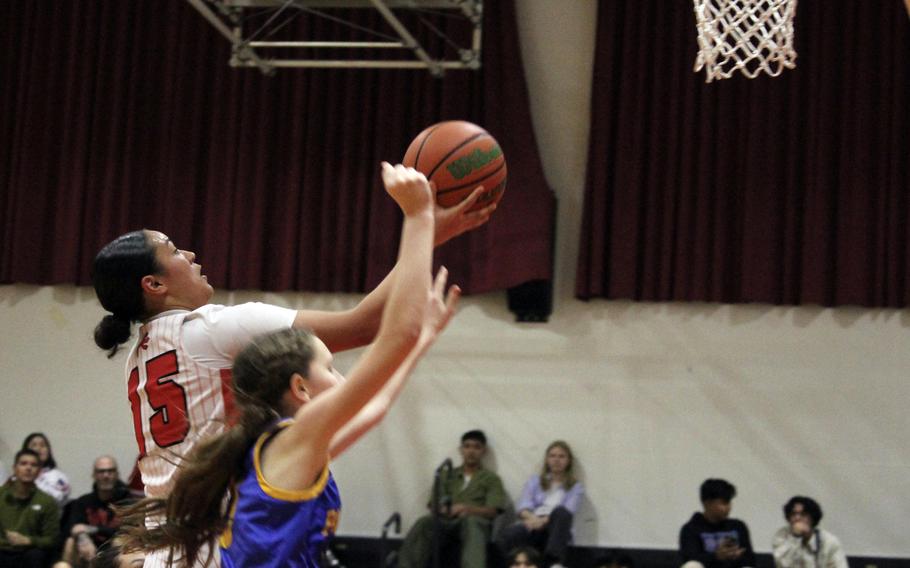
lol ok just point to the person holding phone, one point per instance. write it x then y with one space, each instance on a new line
711 539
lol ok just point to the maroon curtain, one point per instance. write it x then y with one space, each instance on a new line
786 190
121 115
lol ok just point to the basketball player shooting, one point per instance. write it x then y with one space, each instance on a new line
178 371
282 480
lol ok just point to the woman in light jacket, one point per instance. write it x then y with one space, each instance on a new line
548 503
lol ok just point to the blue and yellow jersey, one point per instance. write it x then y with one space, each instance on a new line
270 526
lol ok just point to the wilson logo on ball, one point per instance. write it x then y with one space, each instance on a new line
472 162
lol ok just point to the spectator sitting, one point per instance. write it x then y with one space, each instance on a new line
92 520
524 557
29 517
51 480
546 508
802 544
711 539
472 497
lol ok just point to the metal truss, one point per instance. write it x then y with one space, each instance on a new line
252 27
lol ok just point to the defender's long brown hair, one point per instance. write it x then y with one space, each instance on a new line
570 478
196 512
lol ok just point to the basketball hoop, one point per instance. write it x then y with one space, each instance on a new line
749 36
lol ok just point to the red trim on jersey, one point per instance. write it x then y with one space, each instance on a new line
227 395
134 481
132 387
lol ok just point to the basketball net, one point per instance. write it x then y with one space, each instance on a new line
749 36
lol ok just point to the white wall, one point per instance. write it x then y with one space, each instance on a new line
654 398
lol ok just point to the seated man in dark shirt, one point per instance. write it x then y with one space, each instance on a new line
91 520
711 539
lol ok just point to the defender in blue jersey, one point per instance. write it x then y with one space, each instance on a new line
283 503
291 525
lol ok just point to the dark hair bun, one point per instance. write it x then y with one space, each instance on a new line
111 332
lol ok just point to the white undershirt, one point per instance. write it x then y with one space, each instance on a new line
554 498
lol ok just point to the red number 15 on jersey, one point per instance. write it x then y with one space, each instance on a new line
168 422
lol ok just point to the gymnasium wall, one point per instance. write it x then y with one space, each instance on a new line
653 397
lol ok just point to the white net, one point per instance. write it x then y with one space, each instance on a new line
749 36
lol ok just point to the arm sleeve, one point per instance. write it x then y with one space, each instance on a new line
214 334
573 497
76 515
50 528
690 547
786 549
527 495
835 557
496 494
748 557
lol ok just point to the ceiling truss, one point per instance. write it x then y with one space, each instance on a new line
252 27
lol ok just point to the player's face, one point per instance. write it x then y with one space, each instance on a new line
322 374
557 460
39 445
186 284
26 469
717 510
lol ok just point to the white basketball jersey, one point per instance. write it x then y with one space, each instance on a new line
179 397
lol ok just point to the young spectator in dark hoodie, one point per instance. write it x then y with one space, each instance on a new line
712 539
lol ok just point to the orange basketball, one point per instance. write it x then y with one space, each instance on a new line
458 156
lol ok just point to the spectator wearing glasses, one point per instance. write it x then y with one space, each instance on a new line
92 520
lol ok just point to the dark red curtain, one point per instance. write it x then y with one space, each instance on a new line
786 190
121 115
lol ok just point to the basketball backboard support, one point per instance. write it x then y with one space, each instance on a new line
256 28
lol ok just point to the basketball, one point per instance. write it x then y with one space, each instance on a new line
458 156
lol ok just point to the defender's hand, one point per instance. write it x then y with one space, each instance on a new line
440 307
